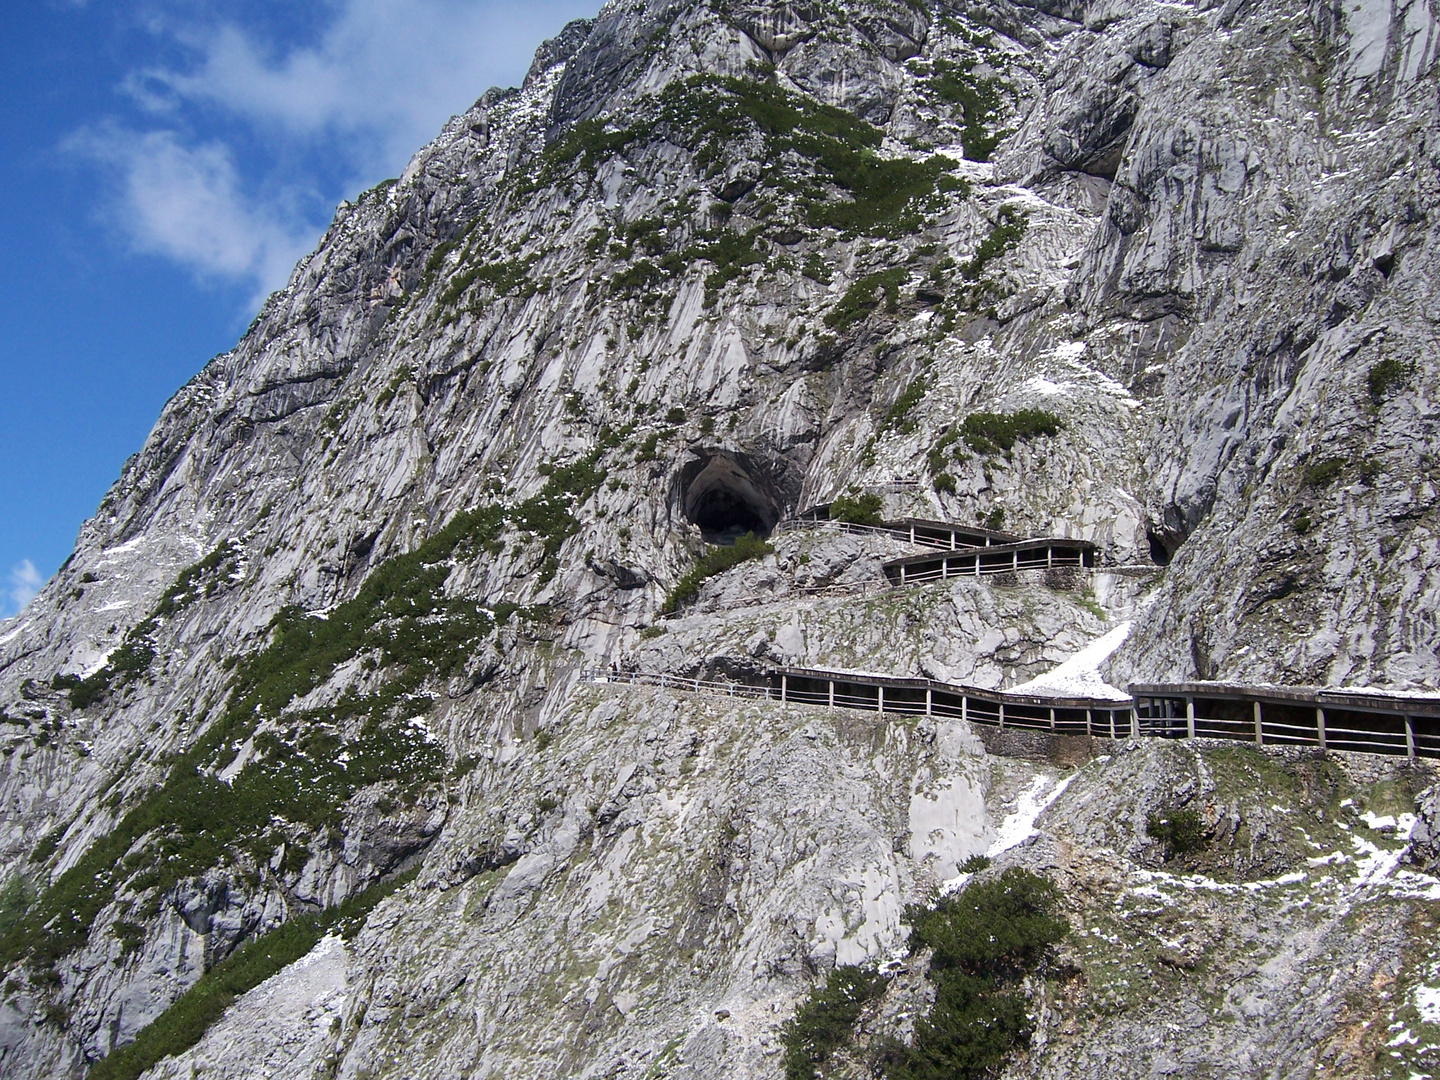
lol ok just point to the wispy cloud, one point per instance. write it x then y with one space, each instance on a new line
25 582
187 203
244 200
390 72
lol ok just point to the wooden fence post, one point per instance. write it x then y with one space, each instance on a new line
1409 738
880 700
1002 716
1189 718
1320 726
929 701
832 693
784 687
1259 731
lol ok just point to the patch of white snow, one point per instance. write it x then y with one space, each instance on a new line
1080 675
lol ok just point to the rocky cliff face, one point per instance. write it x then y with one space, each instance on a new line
1158 276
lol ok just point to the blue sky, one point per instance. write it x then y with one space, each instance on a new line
165 164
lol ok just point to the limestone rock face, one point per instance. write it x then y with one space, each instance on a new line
1161 277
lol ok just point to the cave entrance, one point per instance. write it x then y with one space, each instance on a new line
727 497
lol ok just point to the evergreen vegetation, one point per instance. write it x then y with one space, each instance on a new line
857 509
898 416
715 561
986 940
181 1026
994 433
1178 828
979 98
131 660
826 1020
1388 376
864 297
305 765
1323 473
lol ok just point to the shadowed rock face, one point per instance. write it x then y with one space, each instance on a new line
713 263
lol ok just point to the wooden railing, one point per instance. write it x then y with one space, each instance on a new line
1043 554
912 697
1331 719
1376 723
918 532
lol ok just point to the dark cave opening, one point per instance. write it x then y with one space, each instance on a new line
723 512
727 499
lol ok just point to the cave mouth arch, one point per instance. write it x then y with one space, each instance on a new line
727 497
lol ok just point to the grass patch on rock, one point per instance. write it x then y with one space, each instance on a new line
715 561
183 1024
995 433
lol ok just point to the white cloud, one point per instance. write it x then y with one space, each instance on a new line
25 582
243 202
390 72
187 203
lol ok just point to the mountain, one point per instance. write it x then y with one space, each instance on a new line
321 673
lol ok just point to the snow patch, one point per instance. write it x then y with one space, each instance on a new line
1041 385
1079 676
1427 1003
1020 826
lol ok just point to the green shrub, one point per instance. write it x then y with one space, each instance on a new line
183 1024
1323 473
131 660
857 509
1387 376
1009 229
986 940
991 433
826 1019
979 98
864 297
16 896
815 268
716 561
898 415
1179 829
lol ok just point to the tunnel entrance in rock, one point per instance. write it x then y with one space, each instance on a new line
726 497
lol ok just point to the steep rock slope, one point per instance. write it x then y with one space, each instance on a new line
712 263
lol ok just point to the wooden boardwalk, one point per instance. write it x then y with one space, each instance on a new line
953 550
1042 554
1375 723
919 532
1327 719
